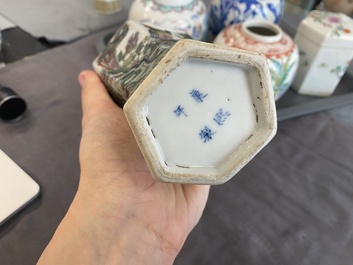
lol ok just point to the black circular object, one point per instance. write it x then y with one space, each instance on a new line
12 105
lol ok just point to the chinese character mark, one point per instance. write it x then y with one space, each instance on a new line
206 134
179 111
197 95
221 117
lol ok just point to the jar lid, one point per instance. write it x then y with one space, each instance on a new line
328 29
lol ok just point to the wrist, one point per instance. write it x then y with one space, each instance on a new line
95 233
116 236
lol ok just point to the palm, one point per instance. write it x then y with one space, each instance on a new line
109 150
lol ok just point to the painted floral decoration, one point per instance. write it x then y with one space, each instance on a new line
123 69
331 20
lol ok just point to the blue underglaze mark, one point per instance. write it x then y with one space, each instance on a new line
206 134
180 111
221 117
197 95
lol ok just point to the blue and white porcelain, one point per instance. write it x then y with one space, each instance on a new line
199 111
226 12
197 117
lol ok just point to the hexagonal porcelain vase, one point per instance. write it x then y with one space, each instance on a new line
131 54
203 112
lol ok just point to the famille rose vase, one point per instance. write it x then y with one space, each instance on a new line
188 16
130 55
325 41
226 12
268 39
195 116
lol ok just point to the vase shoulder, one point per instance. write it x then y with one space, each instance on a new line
225 13
268 39
190 17
263 37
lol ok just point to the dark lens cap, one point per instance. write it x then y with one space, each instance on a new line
12 106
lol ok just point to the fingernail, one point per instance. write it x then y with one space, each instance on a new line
82 78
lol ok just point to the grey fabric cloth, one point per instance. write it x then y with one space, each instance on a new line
60 20
44 143
292 204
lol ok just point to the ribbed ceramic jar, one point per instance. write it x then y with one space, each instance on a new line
226 12
188 16
269 39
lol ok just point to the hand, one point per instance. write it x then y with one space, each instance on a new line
120 215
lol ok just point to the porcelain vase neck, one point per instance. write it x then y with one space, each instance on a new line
262 31
173 2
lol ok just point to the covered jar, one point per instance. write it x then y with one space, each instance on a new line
187 16
269 39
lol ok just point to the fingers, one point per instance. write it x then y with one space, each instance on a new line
94 93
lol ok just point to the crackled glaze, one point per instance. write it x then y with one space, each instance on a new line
199 111
202 113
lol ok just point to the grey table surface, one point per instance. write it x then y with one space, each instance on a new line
292 204
60 20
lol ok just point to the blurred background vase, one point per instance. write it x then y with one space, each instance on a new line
299 7
341 6
187 16
268 39
226 12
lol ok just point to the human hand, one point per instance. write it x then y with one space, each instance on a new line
120 214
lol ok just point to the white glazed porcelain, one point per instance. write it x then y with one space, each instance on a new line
203 113
266 38
325 42
188 16
199 111
225 13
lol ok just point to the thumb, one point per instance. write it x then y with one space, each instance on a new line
94 94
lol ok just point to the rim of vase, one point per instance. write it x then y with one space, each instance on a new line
262 30
173 2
